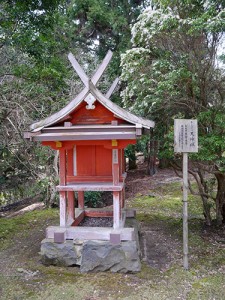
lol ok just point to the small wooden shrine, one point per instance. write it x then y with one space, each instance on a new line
90 133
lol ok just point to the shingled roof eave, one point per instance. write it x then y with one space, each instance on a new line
114 108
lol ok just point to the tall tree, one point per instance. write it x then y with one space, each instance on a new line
172 70
36 78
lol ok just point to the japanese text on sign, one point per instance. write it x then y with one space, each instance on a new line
185 135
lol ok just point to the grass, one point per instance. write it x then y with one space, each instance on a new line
167 201
204 281
22 224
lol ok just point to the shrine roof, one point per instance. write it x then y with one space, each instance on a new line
114 108
90 94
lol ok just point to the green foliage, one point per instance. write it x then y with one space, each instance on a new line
31 19
130 152
212 137
93 199
102 25
172 72
140 146
36 77
169 58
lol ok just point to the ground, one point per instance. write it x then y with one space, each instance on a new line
158 203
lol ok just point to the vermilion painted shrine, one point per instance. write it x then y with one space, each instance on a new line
90 133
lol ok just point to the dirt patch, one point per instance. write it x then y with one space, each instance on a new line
159 249
214 234
138 182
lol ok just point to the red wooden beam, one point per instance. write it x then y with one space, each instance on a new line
98 213
78 219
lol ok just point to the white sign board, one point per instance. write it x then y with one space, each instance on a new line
185 135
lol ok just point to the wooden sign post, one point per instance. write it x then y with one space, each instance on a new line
185 141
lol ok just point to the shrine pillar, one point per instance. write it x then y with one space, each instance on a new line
70 194
116 195
62 181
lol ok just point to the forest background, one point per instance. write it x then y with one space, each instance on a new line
169 55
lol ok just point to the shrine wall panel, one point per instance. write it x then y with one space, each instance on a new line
98 115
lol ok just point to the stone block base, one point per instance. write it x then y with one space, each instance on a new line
92 255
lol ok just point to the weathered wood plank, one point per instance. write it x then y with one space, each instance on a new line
98 73
112 88
98 213
115 238
115 166
62 166
91 233
90 187
185 211
78 69
62 208
81 199
116 174
67 124
60 236
82 136
80 128
79 218
138 129
116 210
70 207
88 178
62 181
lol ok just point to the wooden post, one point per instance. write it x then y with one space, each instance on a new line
81 200
116 195
116 210
71 207
62 167
185 141
62 208
123 161
185 210
115 166
62 181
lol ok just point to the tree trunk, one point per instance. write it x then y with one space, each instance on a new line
132 164
152 157
220 198
205 201
206 210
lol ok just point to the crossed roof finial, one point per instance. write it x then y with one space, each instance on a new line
97 75
90 94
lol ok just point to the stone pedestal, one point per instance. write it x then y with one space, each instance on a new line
93 255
